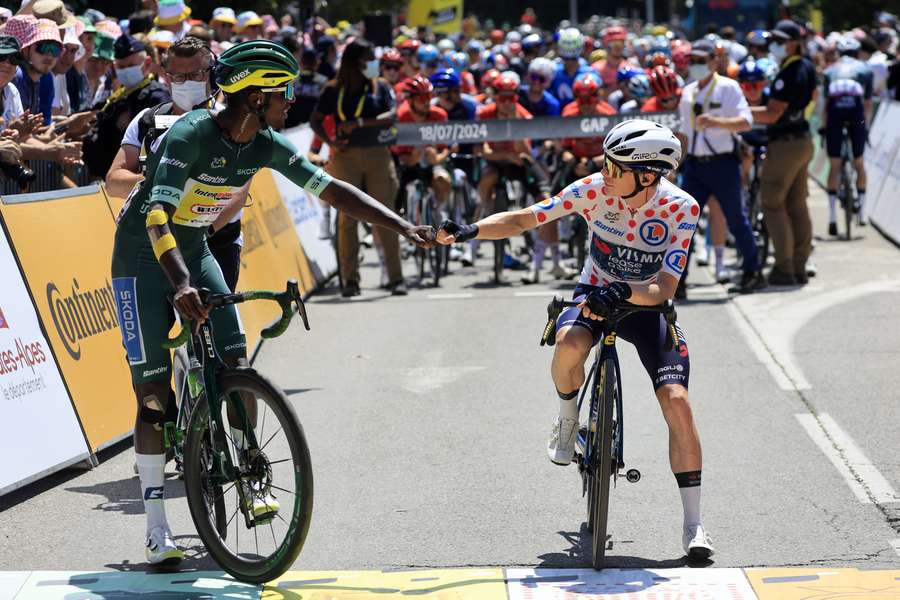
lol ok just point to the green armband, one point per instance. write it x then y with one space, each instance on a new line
318 182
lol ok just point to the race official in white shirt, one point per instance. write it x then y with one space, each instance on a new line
712 110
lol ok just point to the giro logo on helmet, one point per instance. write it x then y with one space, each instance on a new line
645 156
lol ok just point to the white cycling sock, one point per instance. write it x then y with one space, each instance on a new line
537 258
555 254
861 198
568 406
151 470
689 486
832 208
720 257
473 244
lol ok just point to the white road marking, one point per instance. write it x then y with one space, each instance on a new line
865 480
536 293
759 349
430 375
777 318
451 296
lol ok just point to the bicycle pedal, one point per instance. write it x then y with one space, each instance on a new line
633 475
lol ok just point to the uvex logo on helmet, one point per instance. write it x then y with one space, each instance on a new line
238 76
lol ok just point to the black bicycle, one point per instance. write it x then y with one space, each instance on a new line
423 208
237 473
754 207
846 186
600 440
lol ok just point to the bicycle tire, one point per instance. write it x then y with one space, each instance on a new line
272 567
603 464
758 224
501 202
847 197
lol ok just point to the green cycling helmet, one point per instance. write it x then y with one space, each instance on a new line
256 63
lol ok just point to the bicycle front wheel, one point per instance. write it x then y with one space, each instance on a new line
269 499
602 461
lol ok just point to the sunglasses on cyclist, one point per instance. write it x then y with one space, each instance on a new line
752 86
507 97
49 48
390 67
199 75
668 100
288 90
612 169
696 60
537 78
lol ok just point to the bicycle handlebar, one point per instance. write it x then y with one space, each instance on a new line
285 300
557 305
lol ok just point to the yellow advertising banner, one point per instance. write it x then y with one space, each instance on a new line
272 254
64 245
442 16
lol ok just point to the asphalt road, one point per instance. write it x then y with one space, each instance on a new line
427 418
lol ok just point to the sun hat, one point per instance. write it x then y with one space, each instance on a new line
171 12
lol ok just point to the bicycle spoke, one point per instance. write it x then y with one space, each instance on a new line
273 486
255 537
275 462
269 440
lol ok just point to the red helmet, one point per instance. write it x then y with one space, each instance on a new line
411 45
418 86
614 34
588 43
587 85
489 78
663 82
681 56
507 82
391 57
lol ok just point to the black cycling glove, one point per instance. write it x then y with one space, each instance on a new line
608 298
463 233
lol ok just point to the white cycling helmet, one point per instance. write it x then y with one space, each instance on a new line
446 45
643 145
513 36
544 67
847 44
570 43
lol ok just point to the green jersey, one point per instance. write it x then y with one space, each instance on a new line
197 170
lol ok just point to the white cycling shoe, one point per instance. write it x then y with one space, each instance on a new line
697 544
161 548
561 447
264 506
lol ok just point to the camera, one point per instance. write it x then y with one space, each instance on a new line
18 173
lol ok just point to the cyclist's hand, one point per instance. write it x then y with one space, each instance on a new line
187 301
600 303
446 235
421 235
431 155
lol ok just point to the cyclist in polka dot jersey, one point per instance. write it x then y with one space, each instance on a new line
641 227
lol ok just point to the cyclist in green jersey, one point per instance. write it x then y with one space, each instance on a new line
161 250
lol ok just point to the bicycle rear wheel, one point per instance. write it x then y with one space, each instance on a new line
603 461
501 203
847 196
278 469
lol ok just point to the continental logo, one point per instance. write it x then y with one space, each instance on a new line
79 313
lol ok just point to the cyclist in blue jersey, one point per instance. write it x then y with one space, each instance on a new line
534 95
848 103
569 47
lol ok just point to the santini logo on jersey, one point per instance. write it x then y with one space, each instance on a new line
604 227
211 179
165 160
688 226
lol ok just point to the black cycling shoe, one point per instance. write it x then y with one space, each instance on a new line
801 278
350 289
398 288
832 229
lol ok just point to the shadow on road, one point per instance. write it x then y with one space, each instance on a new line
580 552
124 495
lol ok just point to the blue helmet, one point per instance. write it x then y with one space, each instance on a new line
769 67
458 61
758 37
446 78
639 86
626 72
751 71
428 54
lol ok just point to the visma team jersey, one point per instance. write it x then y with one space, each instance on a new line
196 170
847 83
626 245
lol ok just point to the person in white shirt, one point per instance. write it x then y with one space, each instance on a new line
712 110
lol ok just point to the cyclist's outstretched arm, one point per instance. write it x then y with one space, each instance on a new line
288 161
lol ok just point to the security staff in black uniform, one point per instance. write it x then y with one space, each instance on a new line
783 179
137 90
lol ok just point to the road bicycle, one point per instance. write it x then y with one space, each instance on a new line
237 473
846 185
423 208
508 192
754 207
599 444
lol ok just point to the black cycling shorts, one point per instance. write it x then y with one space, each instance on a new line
226 249
647 332
855 123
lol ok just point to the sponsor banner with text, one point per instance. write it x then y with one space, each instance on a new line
65 247
39 430
469 132
883 170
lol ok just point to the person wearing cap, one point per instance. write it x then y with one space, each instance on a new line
783 179
41 47
326 48
97 71
53 10
223 22
249 26
138 90
712 110
172 15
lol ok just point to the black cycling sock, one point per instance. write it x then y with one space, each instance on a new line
570 396
688 479
689 487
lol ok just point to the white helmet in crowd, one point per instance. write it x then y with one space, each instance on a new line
446 45
643 146
544 67
571 43
513 36
847 44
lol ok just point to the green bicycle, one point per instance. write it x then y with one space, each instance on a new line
237 473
